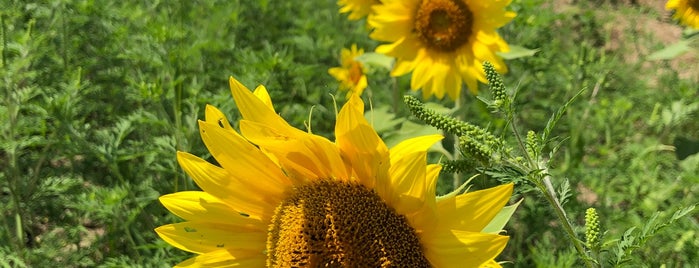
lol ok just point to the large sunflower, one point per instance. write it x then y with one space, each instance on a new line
443 42
687 11
283 197
351 75
357 8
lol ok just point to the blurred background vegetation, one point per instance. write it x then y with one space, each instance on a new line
98 95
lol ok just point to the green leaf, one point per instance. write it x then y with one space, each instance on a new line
376 59
497 223
517 52
671 51
382 119
409 130
557 116
564 192
303 42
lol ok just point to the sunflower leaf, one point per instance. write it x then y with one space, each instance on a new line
671 51
517 52
376 59
382 119
497 223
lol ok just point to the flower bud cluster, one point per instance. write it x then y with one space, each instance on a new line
592 235
496 85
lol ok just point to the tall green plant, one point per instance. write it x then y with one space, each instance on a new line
527 163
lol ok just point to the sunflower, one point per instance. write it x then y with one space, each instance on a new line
351 75
443 42
357 8
282 197
687 11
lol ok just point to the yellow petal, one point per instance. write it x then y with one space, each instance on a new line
431 178
409 184
453 83
340 74
473 210
201 206
253 108
361 85
262 94
216 181
201 237
491 264
346 56
225 258
243 160
439 70
408 173
484 52
472 85
490 14
301 154
422 74
446 249
215 116
417 144
395 21
426 216
671 4
360 144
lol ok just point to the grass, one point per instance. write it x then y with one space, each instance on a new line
98 97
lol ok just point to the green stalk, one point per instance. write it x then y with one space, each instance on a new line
459 103
397 96
4 40
178 127
549 194
520 142
13 171
546 188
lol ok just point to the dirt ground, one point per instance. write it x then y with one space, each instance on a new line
648 21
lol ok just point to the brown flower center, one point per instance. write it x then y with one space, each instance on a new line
355 72
443 25
332 223
694 4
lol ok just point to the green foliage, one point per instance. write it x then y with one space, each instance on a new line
691 43
90 126
633 239
96 98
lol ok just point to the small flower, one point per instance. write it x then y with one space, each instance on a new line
351 75
443 42
357 8
687 11
283 197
